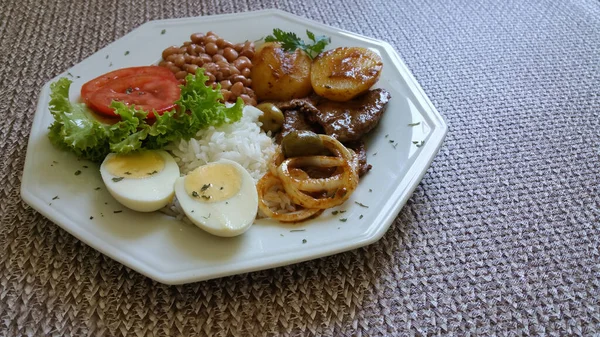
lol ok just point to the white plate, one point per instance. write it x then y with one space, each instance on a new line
171 252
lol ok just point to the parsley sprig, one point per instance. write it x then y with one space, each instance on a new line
290 42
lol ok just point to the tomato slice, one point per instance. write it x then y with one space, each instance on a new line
92 86
146 92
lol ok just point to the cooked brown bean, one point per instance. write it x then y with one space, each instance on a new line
191 68
170 51
210 67
210 33
187 43
197 38
181 74
219 76
197 61
237 89
224 69
246 72
199 49
226 94
220 42
179 60
250 93
182 49
211 79
230 54
247 82
238 47
225 84
206 58
163 63
247 99
249 53
219 58
211 48
233 70
237 78
188 58
242 62
171 58
190 49
210 39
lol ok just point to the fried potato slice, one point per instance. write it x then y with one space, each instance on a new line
343 73
279 75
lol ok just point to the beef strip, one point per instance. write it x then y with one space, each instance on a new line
307 105
349 121
359 147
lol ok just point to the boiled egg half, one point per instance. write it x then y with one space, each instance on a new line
219 197
142 181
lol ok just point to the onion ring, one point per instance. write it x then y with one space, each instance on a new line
263 185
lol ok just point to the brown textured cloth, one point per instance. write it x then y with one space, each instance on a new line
501 237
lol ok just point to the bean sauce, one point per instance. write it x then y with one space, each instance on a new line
223 62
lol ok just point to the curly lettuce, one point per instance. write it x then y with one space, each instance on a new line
77 130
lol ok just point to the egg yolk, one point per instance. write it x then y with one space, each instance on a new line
213 182
135 165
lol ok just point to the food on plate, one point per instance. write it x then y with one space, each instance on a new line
349 121
76 129
298 188
343 73
290 42
93 85
271 118
224 63
345 121
142 181
150 93
219 197
302 143
177 142
280 75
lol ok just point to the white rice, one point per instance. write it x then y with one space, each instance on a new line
242 142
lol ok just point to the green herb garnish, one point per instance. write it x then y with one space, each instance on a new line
344 219
303 240
414 124
361 204
78 172
116 180
195 194
127 53
56 197
205 197
205 187
290 42
162 32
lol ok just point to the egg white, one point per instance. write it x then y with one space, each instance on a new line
146 194
227 218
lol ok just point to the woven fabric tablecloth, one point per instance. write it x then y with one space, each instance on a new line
501 237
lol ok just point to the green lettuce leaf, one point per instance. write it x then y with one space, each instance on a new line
76 129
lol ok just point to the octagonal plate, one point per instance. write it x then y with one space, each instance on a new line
172 252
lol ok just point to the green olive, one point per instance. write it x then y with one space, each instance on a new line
302 143
272 117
